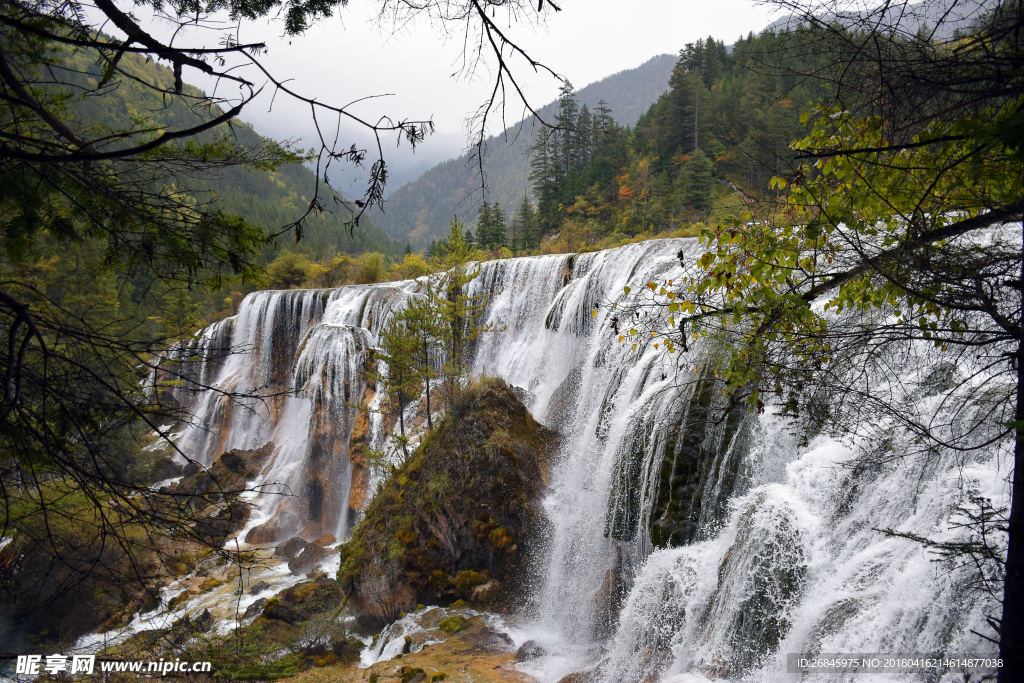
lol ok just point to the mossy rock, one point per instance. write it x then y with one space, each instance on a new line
452 625
459 603
410 674
438 676
467 580
460 512
210 583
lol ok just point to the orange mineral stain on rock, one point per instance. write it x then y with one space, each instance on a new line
357 445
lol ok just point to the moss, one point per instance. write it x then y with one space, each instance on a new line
453 625
374 677
457 514
410 673
407 648
459 603
210 584
467 580
438 676
700 458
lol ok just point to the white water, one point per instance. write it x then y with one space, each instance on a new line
782 555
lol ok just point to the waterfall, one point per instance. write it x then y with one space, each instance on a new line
680 548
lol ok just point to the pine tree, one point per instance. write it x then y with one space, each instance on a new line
499 230
424 327
698 182
566 121
458 313
584 137
401 382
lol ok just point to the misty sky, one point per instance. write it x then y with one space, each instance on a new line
350 56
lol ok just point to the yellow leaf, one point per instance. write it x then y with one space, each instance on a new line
634 347
594 314
621 337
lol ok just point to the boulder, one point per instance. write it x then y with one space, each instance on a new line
290 548
264 533
255 608
441 554
280 610
487 593
310 557
325 540
259 588
529 651
578 677
166 468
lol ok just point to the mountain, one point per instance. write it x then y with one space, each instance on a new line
270 200
420 211
942 18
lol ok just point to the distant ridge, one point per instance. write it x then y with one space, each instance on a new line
420 211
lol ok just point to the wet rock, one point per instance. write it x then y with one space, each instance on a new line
525 395
166 468
310 557
233 461
578 677
203 622
489 639
224 522
190 469
487 593
254 609
280 610
325 540
529 651
290 548
259 588
412 675
264 533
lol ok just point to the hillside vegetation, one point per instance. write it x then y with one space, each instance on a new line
420 211
270 199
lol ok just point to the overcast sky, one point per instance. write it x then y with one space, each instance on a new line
351 56
348 56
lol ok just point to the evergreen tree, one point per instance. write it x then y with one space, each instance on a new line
401 381
490 226
698 182
584 137
458 312
424 328
566 122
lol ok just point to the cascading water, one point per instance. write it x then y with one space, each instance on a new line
689 548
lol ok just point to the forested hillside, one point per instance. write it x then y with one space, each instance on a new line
727 122
420 211
705 151
270 199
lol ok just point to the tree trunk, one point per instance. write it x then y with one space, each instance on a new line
426 377
401 423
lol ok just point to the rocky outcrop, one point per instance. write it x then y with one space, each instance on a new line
303 600
454 522
215 492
